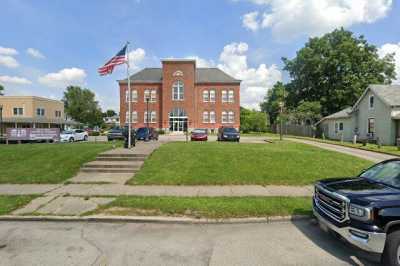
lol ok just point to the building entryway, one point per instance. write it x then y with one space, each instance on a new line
178 120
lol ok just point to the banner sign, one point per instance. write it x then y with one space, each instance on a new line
33 134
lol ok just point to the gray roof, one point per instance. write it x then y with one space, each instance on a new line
389 94
203 75
345 113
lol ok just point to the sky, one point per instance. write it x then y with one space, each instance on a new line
46 45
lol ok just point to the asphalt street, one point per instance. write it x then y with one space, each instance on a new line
281 243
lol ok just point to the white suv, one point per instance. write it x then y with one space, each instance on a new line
73 135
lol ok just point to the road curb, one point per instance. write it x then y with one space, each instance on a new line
151 219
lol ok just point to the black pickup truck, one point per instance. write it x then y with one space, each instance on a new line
364 210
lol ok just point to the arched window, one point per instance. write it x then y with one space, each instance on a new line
153 96
212 95
205 117
134 96
134 117
224 117
177 91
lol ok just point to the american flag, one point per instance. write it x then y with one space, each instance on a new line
118 59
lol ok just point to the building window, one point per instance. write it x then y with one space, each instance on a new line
371 125
40 111
58 113
224 117
205 96
371 102
153 96
231 117
134 117
205 117
18 111
147 96
212 96
341 126
336 127
134 96
153 117
224 96
177 91
212 117
231 98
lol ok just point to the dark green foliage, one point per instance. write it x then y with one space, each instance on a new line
252 121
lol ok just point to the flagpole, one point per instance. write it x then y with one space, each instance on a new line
129 98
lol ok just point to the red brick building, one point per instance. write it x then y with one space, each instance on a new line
179 96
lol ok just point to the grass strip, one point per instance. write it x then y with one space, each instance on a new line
11 203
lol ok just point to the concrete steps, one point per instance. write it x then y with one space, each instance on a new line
121 159
108 170
120 155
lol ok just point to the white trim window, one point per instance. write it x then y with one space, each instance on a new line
224 117
371 102
153 96
134 117
231 96
178 91
153 117
231 117
126 96
224 96
212 96
58 113
18 111
205 117
134 96
147 95
371 126
145 117
206 95
212 117
40 111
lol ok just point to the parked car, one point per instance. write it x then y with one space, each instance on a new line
74 135
199 135
228 134
115 133
364 210
144 133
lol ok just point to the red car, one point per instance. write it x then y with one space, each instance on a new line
199 135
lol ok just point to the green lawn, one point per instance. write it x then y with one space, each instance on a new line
217 207
213 163
45 163
11 203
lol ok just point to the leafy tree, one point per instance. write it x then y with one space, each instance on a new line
80 105
252 121
335 69
109 113
276 95
1 90
307 112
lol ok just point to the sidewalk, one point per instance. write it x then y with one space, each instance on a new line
363 154
175 191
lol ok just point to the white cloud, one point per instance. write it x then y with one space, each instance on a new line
64 78
8 61
255 81
250 21
201 62
392 48
136 57
14 80
8 51
293 18
35 53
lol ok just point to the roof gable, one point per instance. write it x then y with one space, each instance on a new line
388 94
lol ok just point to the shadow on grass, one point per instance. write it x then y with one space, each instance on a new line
334 245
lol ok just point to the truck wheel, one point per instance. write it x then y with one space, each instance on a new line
391 253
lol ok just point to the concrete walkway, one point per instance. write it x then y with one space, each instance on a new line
363 154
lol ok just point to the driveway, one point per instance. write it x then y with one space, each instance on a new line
285 243
367 155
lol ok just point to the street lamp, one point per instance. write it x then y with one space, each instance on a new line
147 113
281 104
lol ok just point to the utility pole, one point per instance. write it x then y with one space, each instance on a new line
147 113
1 121
281 121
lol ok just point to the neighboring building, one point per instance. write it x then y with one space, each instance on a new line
181 96
32 112
375 116
112 120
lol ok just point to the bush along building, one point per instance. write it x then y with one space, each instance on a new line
179 96
374 117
